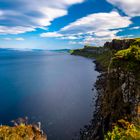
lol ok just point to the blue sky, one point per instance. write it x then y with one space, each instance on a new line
58 24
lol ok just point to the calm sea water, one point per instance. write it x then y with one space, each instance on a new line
49 87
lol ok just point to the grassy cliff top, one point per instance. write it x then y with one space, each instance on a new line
137 41
117 50
132 53
128 59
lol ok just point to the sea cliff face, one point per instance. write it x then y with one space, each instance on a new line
118 89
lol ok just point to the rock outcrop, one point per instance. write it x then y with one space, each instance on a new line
117 44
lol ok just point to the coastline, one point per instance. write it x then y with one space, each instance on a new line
98 66
118 90
95 128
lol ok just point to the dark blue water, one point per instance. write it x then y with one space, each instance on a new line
49 87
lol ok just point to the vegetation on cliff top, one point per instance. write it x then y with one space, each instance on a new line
136 42
99 53
132 53
127 49
129 58
124 131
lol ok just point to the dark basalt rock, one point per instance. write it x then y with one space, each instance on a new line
117 44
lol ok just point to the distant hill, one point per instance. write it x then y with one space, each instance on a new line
61 50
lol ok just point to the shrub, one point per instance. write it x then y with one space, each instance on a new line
124 131
132 53
128 59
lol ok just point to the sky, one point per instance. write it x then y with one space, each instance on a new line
71 24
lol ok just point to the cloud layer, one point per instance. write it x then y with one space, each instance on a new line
93 27
129 7
98 22
22 16
11 39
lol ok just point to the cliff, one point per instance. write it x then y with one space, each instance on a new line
121 96
118 90
100 55
104 54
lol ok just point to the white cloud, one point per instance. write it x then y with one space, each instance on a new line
51 34
94 41
126 36
130 36
7 39
59 35
27 15
100 24
49 15
97 22
1 12
93 29
70 2
20 39
17 39
107 33
73 42
70 37
15 30
130 7
135 28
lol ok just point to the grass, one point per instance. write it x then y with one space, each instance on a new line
21 132
137 41
103 58
124 131
128 59
132 53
